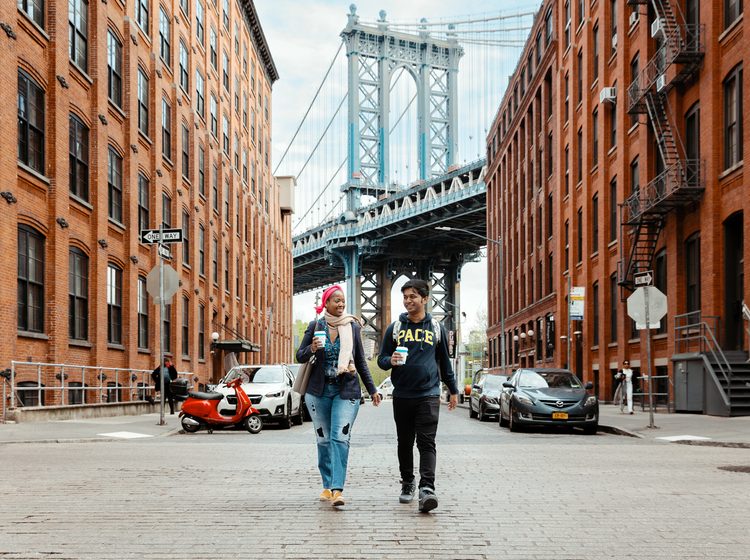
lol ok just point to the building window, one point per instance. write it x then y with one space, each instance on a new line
201 250
31 258
78 168
733 118
595 223
215 261
185 152
201 332
185 326
595 305
612 125
167 328
165 37
579 226
114 69
595 138
732 10
236 152
185 7
141 14
634 73
184 68
166 129
200 32
225 132
550 158
212 48
660 282
78 294
215 189
143 203
613 308
613 25
225 14
226 270
185 237
226 200
595 55
579 92
567 23
78 16
201 170
613 209
567 244
548 27
114 184
579 162
114 304
142 102
142 313
635 180
214 120
567 97
693 273
34 9
693 144
30 123
200 96
225 70
567 169
166 211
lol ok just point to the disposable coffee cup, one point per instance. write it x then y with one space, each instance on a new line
403 352
321 336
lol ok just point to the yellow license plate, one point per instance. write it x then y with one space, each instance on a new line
559 415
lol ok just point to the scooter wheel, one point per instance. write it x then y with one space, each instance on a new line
254 424
190 428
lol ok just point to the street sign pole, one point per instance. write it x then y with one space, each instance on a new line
161 329
648 361
568 339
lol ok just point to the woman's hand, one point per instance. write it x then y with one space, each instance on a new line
376 399
315 344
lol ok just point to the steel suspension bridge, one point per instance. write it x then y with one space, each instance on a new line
392 146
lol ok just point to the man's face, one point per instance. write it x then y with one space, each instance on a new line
413 302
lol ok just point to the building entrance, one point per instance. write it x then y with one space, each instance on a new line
734 264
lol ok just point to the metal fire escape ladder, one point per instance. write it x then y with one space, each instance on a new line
643 213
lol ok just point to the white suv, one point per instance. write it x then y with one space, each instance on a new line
269 388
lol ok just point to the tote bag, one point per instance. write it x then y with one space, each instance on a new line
303 375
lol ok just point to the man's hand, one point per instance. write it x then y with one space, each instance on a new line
376 399
452 402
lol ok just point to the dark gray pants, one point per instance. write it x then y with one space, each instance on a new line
417 418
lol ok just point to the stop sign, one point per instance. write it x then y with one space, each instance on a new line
171 283
657 307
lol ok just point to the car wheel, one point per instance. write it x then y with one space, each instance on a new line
286 421
253 424
502 420
189 428
591 430
512 424
472 414
481 415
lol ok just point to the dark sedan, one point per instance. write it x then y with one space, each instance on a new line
485 396
548 397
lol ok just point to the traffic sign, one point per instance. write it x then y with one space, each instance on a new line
163 251
639 312
171 283
577 301
151 236
643 278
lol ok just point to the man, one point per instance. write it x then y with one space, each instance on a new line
416 389
627 381
171 375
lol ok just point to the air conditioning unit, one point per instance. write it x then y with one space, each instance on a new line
634 17
608 94
657 29
614 41
661 82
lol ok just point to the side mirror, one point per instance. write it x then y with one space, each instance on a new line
589 385
507 385
477 387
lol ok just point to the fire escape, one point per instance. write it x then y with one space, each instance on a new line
678 181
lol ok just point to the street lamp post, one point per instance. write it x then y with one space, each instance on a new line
499 243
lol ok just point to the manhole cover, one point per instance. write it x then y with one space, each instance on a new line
736 468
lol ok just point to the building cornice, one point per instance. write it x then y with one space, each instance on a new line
259 38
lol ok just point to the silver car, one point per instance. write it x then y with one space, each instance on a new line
269 388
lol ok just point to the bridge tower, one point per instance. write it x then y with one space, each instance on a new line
374 54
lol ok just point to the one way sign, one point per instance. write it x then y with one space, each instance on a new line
164 236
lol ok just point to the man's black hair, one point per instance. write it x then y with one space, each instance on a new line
422 287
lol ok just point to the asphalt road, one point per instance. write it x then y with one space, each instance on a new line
537 495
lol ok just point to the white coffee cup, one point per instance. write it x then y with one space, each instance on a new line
403 352
321 336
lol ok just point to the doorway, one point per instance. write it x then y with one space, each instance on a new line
734 264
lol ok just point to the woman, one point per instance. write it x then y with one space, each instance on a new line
333 393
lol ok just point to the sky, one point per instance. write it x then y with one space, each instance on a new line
303 36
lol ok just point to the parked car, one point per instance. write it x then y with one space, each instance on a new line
294 368
484 400
548 397
270 390
386 389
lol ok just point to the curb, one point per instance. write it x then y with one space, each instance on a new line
619 431
168 433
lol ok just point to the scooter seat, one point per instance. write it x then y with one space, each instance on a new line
213 396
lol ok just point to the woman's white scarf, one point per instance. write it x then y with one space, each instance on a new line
343 324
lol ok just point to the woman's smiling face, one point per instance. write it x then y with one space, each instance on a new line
336 303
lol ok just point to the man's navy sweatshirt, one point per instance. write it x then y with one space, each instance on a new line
427 363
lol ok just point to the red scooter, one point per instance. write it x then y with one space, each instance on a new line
201 409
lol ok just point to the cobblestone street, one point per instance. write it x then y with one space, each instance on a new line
532 495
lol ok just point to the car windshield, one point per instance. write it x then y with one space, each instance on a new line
262 374
494 382
552 379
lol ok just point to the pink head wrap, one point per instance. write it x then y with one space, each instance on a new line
326 294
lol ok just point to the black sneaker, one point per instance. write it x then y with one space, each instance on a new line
407 492
427 500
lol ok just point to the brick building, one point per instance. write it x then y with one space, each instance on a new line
130 115
618 148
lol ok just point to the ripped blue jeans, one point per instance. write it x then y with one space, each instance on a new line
333 418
